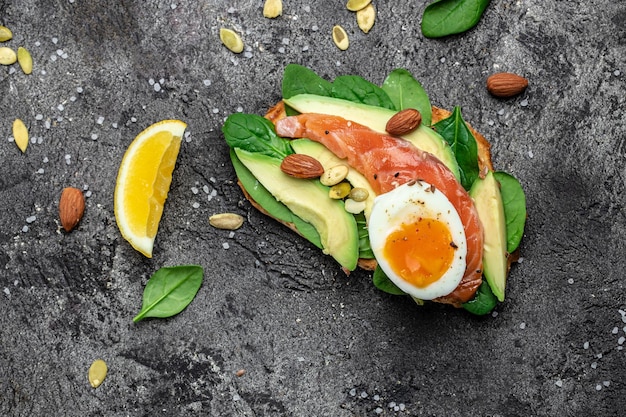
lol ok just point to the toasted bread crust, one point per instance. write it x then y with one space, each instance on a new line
277 112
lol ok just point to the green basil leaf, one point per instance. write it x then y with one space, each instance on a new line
449 17
483 302
383 283
455 131
365 250
359 90
169 290
298 79
275 208
254 133
406 92
514 201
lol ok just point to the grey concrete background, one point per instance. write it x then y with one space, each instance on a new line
312 341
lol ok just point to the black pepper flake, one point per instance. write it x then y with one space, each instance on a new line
396 174
326 132
431 188
375 176
454 246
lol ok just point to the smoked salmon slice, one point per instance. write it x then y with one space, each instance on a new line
388 162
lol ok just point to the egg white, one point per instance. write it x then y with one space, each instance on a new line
405 204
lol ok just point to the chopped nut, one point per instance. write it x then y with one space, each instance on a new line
301 166
340 37
403 122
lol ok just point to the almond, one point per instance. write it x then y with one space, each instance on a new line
403 122
506 84
71 207
301 166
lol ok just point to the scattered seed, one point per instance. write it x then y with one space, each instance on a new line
5 34
339 191
226 221
359 194
7 56
356 5
354 207
97 372
340 37
231 40
20 133
272 8
334 175
365 18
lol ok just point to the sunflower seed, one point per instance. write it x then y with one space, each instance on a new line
7 56
25 60
20 134
231 40
5 34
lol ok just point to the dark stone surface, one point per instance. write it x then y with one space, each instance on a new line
313 342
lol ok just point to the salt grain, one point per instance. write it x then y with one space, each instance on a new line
194 190
40 171
114 125
157 87
45 160
31 219
39 117
55 40
195 205
524 103
25 229
133 119
65 55
616 73
79 90
378 410
594 365
94 136
206 189
88 194
586 345
100 120
12 70
522 326
315 28
353 392
621 340
7 291
173 6
615 330
570 281
598 387
53 58
225 245
73 99
61 107
558 383
207 82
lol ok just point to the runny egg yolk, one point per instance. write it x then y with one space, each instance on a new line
420 252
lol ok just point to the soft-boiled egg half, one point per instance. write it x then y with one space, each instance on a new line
418 240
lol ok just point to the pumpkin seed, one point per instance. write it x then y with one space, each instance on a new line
356 5
97 372
5 34
334 175
339 191
231 40
359 194
340 37
25 60
354 207
7 56
365 18
226 221
20 134
272 8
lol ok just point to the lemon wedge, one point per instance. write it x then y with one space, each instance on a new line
143 182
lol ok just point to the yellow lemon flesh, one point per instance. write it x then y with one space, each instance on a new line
143 182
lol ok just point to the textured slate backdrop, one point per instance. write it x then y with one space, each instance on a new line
313 342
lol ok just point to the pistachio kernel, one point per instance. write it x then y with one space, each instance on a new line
340 37
359 194
334 175
231 40
339 191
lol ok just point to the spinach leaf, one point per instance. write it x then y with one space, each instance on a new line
406 92
455 131
359 90
514 202
266 200
483 302
365 250
383 283
254 133
449 17
298 79
169 290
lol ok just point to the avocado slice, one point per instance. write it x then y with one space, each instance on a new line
376 119
308 199
329 160
488 201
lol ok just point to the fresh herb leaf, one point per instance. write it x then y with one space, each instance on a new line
449 17
169 290
383 283
483 302
298 79
269 203
254 133
365 250
406 92
455 131
359 90
514 202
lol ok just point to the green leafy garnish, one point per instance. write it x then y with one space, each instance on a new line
483 302
266 200
365 250
455 131
358 90
406 92
383 283
449 17
298 79
169 290
254 133
514 202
